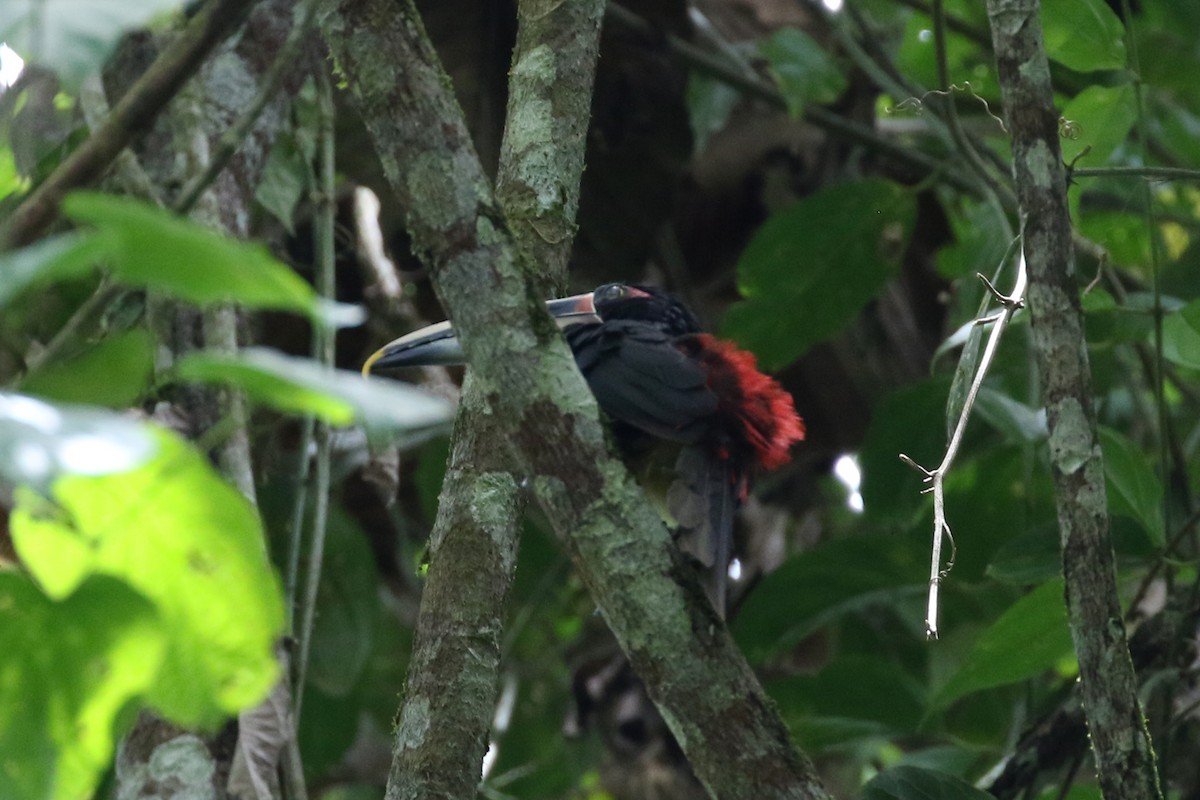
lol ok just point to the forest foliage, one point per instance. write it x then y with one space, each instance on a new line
135 577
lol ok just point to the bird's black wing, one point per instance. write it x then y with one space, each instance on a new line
641 379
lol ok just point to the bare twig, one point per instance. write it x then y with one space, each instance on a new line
134 114
323 232
1009 305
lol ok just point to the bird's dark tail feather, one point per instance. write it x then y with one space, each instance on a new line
703 500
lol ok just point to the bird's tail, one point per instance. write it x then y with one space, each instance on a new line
703 500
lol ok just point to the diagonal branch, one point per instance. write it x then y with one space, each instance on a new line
711 699
132 116
1125 760
450 692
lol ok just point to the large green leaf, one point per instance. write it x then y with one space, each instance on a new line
67 671
190 543
812 266
804 71
1084 35
146 246
915 783
815 587
1099 117
114 373
344 632
1181 336
73 37
906 421
1133 488
302 386
1026 640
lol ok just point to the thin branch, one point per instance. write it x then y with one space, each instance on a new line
324 247
1151 173
751 85
734 740
1009 305
450 691
1125 761
133 115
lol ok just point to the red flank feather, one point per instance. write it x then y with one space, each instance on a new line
765 410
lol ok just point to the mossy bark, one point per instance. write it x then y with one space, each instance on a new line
719 714
1124 757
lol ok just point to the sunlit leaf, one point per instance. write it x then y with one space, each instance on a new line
67 671
302 386
114 373
915 783
812 266
191 544
1084 35
804 71
40 442
1133 488
73 37
149 247
1028 639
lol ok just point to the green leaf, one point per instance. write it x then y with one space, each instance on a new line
1027 639
1133 488
812 266
915 783
1084 35
821 584
710 102
1100 118
862 688
113 374
302 386
40 442
906 421
149 247
55 258
10 180
67 671
344 631
1011 417
1181 336
192 545
284 181
1027 559
73 37
804 71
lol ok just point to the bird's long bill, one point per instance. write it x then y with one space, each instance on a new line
438 345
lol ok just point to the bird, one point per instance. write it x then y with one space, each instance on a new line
660 378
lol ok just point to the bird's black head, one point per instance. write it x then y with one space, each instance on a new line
644 304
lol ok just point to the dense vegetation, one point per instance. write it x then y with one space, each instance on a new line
211 526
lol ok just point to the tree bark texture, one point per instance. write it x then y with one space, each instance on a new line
711 699
450 692
1124 757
